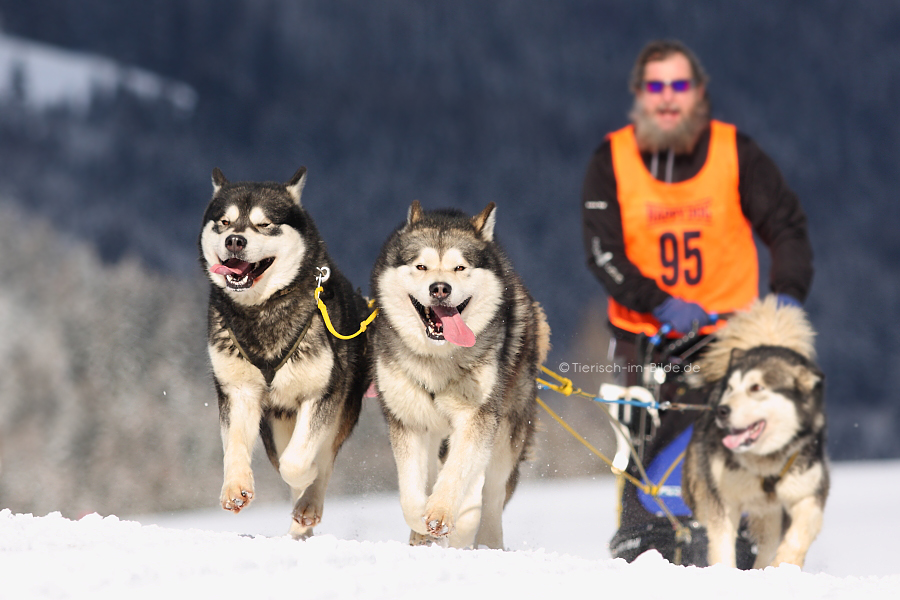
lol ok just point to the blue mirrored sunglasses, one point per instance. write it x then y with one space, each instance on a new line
656 87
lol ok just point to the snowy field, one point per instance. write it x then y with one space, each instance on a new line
556 533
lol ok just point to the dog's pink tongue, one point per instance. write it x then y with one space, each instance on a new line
232 266
455 330
733 440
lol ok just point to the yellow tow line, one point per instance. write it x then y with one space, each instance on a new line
362 326
322 277
566 388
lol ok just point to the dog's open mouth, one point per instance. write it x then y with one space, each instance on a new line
743 438
445 323
240 274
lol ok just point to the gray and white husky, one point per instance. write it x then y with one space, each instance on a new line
278 372
760 451
457 347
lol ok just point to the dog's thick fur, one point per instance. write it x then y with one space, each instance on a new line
760 450
277 370
458 391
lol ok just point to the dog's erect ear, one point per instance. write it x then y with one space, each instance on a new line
736 355
484 222
415 213
295 185
218 179
808 378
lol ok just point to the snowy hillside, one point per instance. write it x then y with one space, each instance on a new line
43 76
556 533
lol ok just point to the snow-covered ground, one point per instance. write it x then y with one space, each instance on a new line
556 533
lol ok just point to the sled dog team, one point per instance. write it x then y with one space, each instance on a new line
453 356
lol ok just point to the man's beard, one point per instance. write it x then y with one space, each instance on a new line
680 140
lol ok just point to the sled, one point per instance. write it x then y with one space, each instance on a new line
668 526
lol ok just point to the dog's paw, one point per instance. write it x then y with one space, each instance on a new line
307 515
789 556
236 495
418 539
438 522
300 532
304 517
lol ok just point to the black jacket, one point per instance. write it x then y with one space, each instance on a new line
772 209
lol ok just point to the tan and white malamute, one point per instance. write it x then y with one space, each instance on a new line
457 346
760 451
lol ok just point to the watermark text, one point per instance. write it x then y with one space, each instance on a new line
577 367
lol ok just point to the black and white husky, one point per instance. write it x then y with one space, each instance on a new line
278 372
457 347
760 451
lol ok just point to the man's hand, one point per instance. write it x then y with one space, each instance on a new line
787 300
681 314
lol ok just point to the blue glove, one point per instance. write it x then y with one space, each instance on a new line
681 314
787 300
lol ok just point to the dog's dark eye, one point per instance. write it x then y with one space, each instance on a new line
264 225
460 268
755 387
422 267
225 222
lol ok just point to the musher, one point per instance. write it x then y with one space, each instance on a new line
670 204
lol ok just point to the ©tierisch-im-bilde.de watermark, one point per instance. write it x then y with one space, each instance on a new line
577 367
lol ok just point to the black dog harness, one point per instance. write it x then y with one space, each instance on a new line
269 368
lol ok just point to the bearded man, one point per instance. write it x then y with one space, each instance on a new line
670 205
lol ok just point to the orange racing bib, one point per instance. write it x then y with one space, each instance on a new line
691 237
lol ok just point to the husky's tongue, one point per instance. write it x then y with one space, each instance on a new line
232 266
455 330
737 439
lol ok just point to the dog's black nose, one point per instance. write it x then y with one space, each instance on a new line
439 290
722 411
235 243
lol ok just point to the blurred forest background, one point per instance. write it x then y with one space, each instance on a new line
112 116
